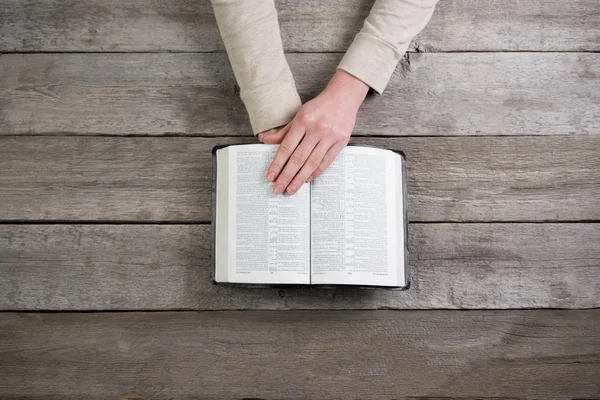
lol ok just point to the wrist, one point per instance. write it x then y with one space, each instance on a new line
348 86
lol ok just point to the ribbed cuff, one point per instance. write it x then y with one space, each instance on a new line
371 60
272 105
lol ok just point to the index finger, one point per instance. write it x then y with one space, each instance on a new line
285 151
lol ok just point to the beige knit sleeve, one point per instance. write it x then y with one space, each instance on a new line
384 38
250 31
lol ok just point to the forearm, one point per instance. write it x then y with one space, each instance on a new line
322 127
250 32
384 38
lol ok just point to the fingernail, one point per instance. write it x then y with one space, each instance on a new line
310 178
278 189
271 176
292 189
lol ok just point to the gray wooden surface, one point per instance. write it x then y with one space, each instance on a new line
551 178
377 354
437 94
108 112
166 267
307 26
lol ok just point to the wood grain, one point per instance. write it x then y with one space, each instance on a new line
480 199
380 355
182 94
478 179
307 26
164 267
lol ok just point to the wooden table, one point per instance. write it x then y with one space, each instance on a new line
108 112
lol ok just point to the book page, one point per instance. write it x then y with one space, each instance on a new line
354 221
268 234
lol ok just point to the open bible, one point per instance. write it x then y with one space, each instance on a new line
347 227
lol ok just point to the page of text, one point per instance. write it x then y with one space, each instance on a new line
270 233
354 220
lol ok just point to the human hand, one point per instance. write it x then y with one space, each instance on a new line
317 134
263 135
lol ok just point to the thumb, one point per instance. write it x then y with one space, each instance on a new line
275 137
268 132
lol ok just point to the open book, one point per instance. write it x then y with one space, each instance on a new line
347 227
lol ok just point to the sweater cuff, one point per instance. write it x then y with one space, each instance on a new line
371 60
272 105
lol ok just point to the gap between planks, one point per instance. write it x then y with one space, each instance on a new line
230 136
241 310
293 52
208 222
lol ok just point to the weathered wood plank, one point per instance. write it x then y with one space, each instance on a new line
437 94
189 25
380 355
162 267
169 179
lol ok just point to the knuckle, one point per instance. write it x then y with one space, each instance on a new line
275 167
285 149
313 162
298 158
307 119
323 126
